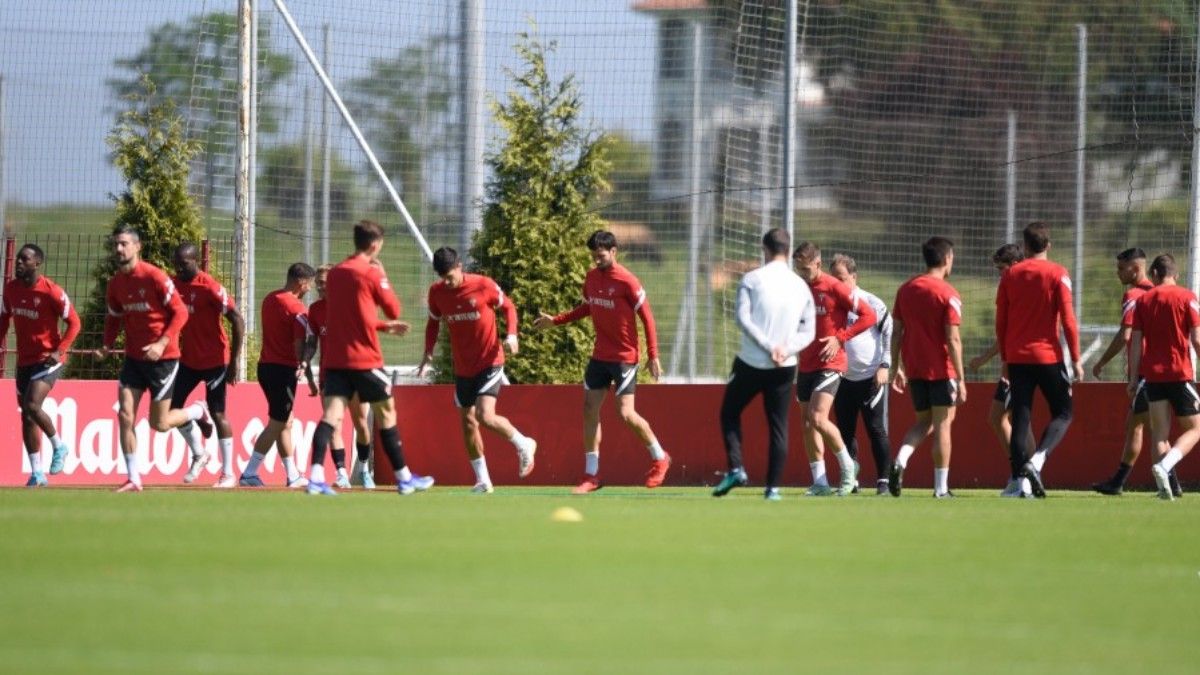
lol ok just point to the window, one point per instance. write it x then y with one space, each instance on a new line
671 137
672 49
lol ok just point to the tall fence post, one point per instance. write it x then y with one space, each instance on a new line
10 259
1010 201
1080 168
471 79
326 151
789 123
1193 261
241 187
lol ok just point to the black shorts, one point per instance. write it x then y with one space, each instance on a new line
1140 405
278 383
927 394
487 383
47 371
817 382
1182 395
372 385
1003 393
601 374
157 377
214 390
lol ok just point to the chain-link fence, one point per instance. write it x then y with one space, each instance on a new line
958 118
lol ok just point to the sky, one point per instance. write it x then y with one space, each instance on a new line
55 56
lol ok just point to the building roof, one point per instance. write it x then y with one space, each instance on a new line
669 5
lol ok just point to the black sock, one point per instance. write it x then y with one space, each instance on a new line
364 451
391 445
339 457
322 438
1173 481
1122 474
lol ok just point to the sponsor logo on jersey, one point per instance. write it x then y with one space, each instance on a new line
463 316
27 313
137 307
602 302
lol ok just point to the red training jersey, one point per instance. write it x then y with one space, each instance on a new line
317 323
146 302
834 301
1033 298
203 342
469 312
613 297
284 320
1166 316
925 305
1128 303
35 312
355 290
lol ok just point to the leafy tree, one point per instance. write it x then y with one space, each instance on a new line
195 63
150 148
546 179
632 169
282 182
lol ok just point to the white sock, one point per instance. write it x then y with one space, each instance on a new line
341 472
256 458
194 411
591 463
845 461
362 466
941 481
289 465
35 461
132 466
316 473
519 440
55 441
818 472
481 470
1038 460
191 434
902 456
1170 459
403 475
226 456
656 451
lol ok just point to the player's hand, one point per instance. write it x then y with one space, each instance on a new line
56 357
881 377
960 396
154 350
899 381
1131 388
425 360
543 321
830 348
655 368
779 355
1097 370
397 328
1078 368
510 341
231 375
976 363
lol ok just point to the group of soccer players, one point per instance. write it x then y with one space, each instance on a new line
810 326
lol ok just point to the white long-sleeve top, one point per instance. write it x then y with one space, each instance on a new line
774 307
868 350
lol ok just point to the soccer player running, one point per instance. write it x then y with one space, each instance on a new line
1000 412
1131 270
206 355
1033 298
613 297
35 305
776 314
821 366
285 348
356 289
927 315
1166 324
864 387
143 301
467 304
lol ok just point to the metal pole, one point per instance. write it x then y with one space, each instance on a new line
326 152
308 176
764 163
471 78
252 170
696 168
1080 168
1193 261
1011 193
789 124
241 187
3 190
349 119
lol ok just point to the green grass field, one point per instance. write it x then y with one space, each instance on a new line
174 581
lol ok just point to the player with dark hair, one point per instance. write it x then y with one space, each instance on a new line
1000 413
1131 270
776 315
206 355
143 301
864 388
927 314
1166 325
286 350
1033 299
35 305
356 289
821 366
614 299
467 304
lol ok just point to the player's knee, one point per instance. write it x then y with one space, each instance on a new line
126 418
31 410
631 418
160 425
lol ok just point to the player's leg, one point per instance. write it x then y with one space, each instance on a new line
742 387
31 431
874 413
596 380
819 407
1160 439
998 414
776 388
921 427
334 404
407 482
1055 384
469 420
660 461
1135 423
942 420
846 403
485 412
1185 401
1022 382
127 404
814 447
216 394
278 384
360 418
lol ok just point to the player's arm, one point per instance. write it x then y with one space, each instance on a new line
884 324
987 355
954 347
899 380
1118 342
1135 357
71 318
1066 306
112 323
5 317
1002 317
512 323
854 303
177 317
804 333
545 320
382 290
237 340
642 307
432 327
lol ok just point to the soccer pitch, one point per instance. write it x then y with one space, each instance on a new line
670 581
